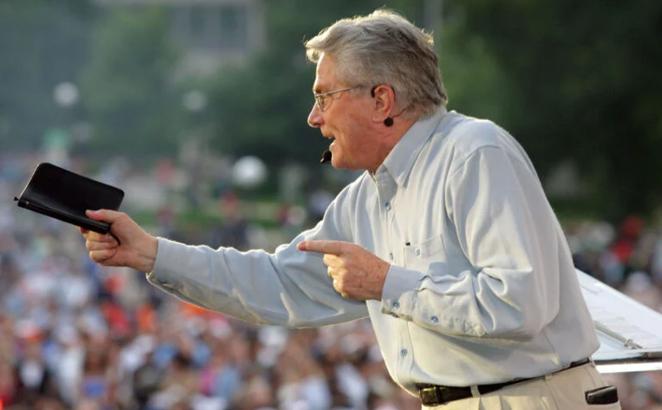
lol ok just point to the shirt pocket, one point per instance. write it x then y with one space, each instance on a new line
422 255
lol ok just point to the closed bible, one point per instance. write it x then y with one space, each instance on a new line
65 195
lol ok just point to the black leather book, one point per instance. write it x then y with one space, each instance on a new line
65 195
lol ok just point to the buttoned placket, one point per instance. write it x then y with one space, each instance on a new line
386 195
386 188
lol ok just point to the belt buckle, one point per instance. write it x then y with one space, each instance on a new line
438 395
430 396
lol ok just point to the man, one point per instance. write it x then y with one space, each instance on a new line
446 242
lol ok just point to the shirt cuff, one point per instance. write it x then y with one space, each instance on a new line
166 258
399 281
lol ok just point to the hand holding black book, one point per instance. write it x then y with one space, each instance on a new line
64 195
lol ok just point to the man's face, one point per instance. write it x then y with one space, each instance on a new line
345 119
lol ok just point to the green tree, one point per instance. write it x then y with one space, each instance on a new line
42 43
576 81
127 85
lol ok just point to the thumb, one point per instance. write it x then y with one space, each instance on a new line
105 215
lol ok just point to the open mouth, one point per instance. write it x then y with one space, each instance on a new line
331 139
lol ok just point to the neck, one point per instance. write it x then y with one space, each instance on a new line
389 139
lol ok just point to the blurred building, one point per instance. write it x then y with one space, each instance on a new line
209 32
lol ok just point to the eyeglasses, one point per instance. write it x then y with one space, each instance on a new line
321 98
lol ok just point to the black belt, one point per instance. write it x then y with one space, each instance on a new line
433 395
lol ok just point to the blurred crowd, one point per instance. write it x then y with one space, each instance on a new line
74 335
628 257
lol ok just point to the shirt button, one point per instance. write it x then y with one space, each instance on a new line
418 252
396 305
387 206
390 255
434 319
403 352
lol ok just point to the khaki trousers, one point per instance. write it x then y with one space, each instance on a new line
559 391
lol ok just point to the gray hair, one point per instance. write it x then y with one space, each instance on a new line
384 48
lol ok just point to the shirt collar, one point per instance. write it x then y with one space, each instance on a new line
400 160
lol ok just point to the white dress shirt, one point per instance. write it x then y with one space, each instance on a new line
481 288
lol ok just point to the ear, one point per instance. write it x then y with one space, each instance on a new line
384 104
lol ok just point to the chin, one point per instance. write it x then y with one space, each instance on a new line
340 161
339 164
336 163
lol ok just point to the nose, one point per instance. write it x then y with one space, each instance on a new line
315 117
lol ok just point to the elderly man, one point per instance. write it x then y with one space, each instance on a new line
446 241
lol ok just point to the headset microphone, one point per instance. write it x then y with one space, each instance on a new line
326 157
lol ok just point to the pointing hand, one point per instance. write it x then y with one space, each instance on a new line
356 273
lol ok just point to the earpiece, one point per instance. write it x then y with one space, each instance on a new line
389 120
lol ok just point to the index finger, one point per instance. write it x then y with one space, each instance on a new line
106 215
323 246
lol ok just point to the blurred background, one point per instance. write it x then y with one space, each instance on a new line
197 109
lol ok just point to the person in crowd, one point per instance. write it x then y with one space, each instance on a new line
446 241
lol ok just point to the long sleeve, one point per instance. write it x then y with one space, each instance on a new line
508 286
481 287
289 287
